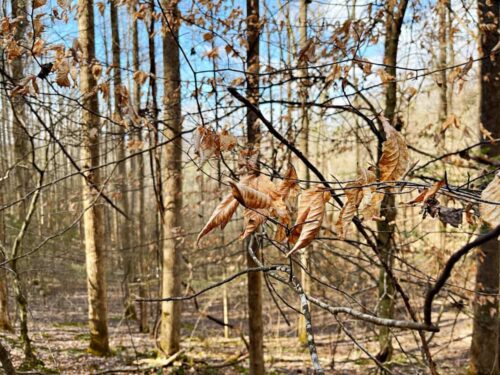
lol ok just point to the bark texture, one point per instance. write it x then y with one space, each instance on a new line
484 356
170 330
304 147
255 323
124 240
93 215
395 12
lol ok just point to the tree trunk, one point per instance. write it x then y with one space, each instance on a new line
484 357
394 19
170 330
124 241
254 280
138 194
22 152
304 147
93 215
6 362
5 324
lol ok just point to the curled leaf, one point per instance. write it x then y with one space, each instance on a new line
249 197
220 217
395 158
429 193
354 195
252 219
310 216
289 187
140 77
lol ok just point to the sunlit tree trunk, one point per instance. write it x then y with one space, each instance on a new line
138 191
93 215
484 356
254 280
304 147
22 154
170 330
124 227
395 12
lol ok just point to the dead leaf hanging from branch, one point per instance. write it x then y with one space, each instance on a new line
395 157
311 211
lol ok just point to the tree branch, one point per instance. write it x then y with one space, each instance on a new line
446 272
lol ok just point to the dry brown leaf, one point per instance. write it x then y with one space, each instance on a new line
207 37
249 197
13 50
140 77
428 193
227 141
285 222
490 213
96 70
486 133
354 195
38 47
358 195
395 158
289 186
450 120
101 7
213 53
220 217
39 3
252 219
204 143
310 216
372 210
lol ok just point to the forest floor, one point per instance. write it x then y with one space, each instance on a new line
61 339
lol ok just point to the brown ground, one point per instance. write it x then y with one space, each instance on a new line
60 336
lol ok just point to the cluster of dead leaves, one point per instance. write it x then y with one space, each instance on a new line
264 200
362 195
431 206
208 143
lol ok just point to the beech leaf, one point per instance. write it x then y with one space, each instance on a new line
395 158
249 197
220 217
311 211
428 193
289 187
252 219
354 195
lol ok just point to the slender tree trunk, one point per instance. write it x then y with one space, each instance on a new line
395 12
304 147
138 195
20 135
170 331
124 228
93 215
5 324
443 94
254 283
484 357
22 153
